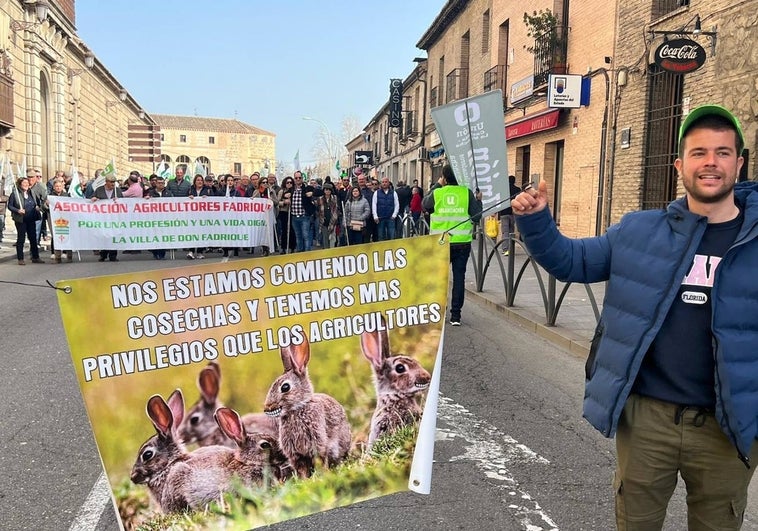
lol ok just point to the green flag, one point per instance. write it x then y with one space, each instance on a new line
110 169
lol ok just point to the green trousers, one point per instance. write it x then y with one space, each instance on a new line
656 441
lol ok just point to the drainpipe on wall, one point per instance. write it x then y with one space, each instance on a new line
621 80
423 127
603 149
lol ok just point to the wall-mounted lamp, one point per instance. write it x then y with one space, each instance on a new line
41 8
73 72
142 115
122 95
696 31
89 59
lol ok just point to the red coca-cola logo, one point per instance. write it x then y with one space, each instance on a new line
680 56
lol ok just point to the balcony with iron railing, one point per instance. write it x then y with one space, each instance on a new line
456 86
550 53
496 78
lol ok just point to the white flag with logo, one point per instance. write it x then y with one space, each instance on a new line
473 134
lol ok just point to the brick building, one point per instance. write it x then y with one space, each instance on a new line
651 102
614 154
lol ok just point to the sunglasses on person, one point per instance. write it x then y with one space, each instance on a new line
262 182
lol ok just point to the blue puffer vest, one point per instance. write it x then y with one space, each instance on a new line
645 257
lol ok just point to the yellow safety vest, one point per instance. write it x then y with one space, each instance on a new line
451 213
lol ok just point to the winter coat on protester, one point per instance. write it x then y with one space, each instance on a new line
623 335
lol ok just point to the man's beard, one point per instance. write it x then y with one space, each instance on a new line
715 196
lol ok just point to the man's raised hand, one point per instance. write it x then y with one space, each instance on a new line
531 200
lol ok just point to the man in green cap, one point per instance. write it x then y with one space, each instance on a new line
673 366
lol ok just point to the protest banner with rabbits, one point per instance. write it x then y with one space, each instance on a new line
238 394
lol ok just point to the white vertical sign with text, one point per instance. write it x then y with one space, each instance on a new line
473 133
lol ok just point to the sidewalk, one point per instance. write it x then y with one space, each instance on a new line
575 322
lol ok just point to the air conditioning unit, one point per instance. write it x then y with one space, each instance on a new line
423 153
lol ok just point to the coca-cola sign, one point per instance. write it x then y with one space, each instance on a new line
680 56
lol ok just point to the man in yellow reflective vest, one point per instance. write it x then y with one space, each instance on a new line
454 210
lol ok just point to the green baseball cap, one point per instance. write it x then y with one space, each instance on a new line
708 110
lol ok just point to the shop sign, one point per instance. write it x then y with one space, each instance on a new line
535 124
680 56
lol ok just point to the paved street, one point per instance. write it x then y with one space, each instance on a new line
512 450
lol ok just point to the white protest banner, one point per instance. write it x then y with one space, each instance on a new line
166 223
473 133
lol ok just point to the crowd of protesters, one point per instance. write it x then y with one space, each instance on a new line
312 213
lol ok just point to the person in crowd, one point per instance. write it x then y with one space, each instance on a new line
179 186
226 187
384 209
151 184
59 174
343 190
315 227
59 190
403 192
357 212
211 185
673 363
3 206
288 238
25 212
264 192
273 184
198 189
454 210
89 190
108 191
242 184
158 191
68 182
253 186
329 218
369 230
134 186
39 190
507 220
415 206
302 210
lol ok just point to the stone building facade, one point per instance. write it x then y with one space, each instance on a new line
59 105
221 145
650 102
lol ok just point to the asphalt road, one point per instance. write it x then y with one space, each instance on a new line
512 451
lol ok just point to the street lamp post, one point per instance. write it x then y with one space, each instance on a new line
329 140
